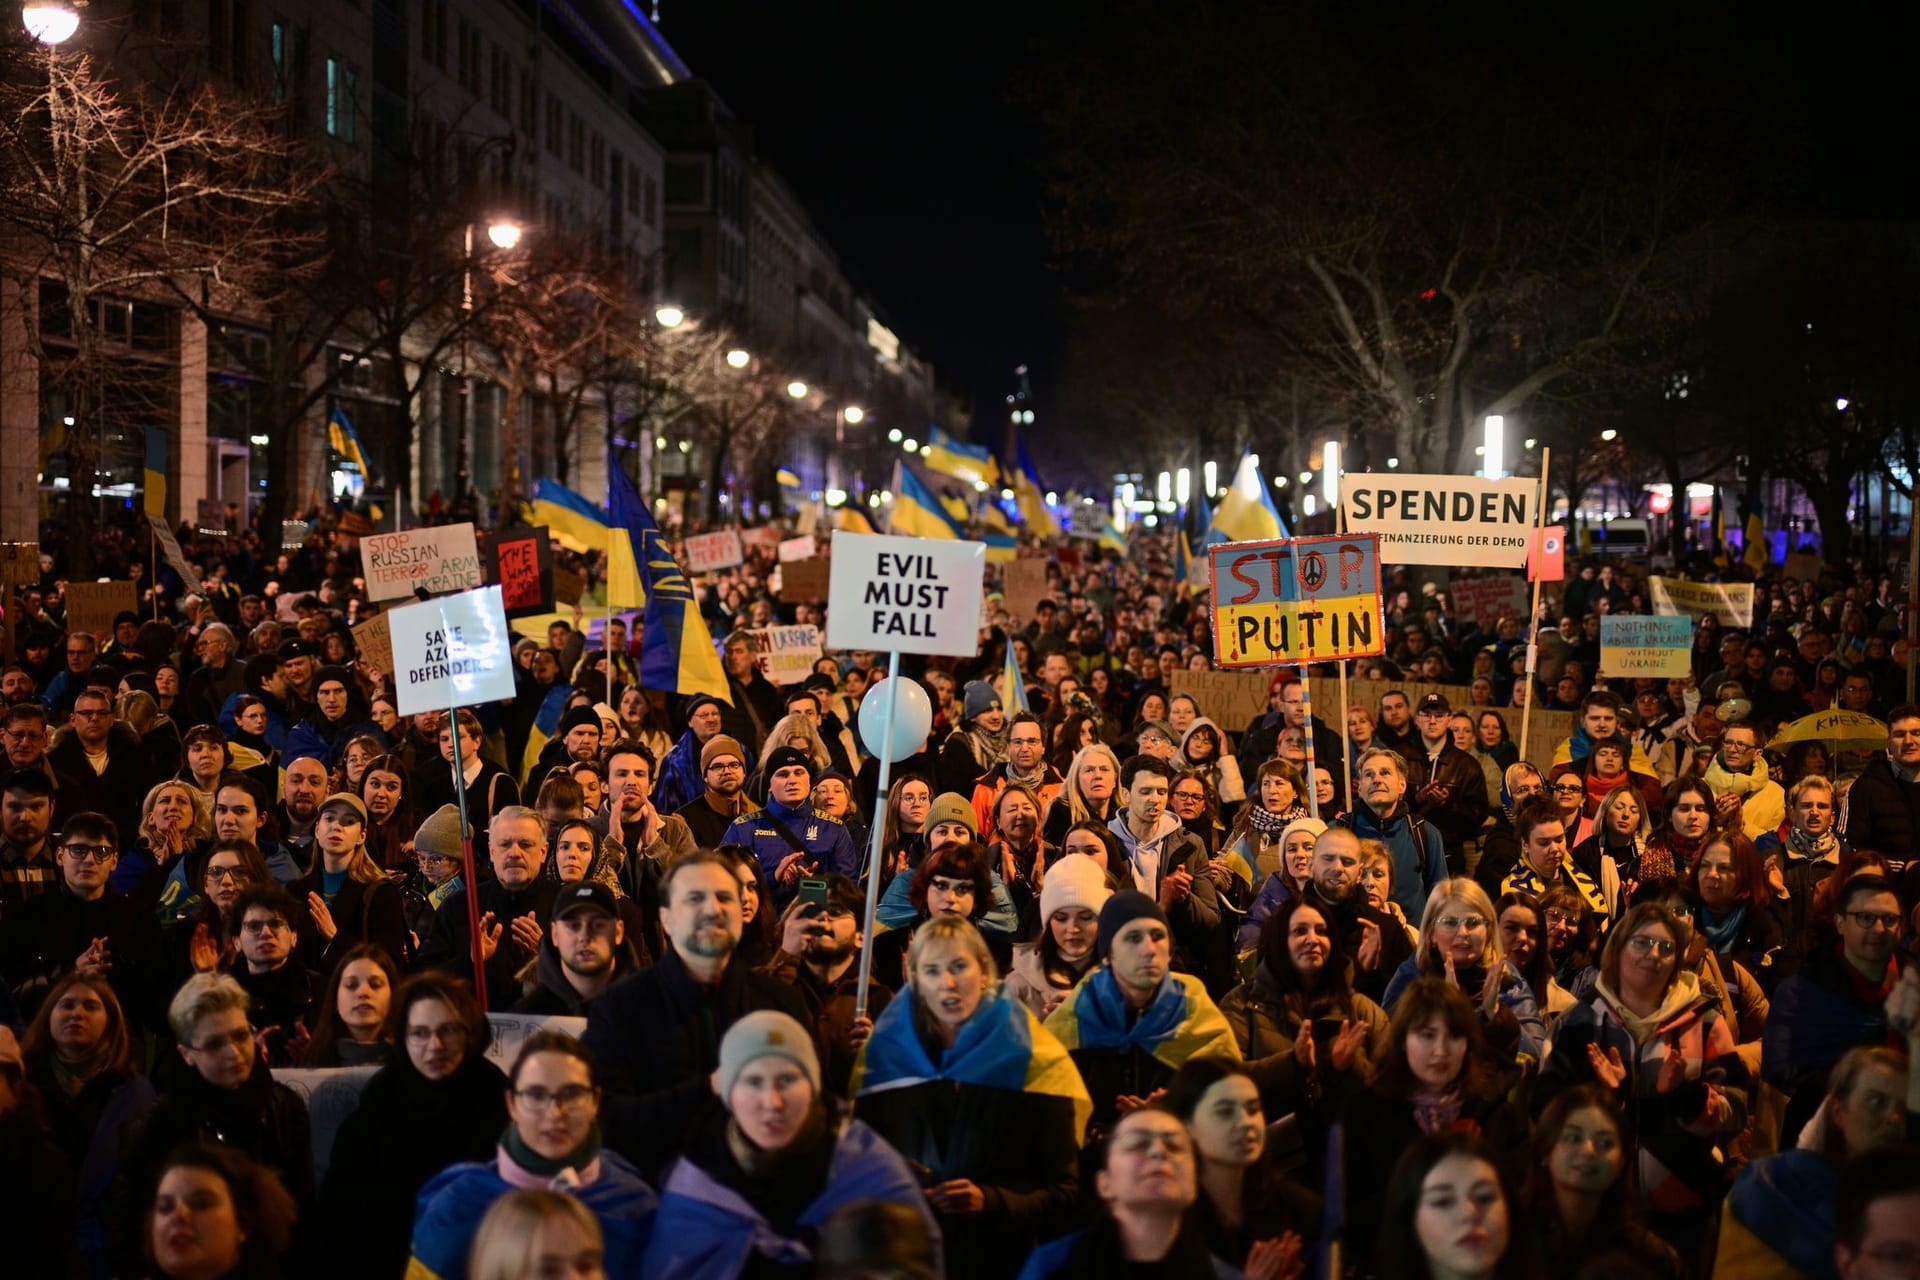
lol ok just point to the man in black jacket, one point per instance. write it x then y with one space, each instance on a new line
1378 945
1444 783
104 761
1883 805
584 953
514 908
656 1036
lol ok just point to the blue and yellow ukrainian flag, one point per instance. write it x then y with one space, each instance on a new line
155 478
787 478
576 523
1181 1023
1112 539
853 520
992 517
1014 695
545 721
916 513
1247 512
1028 493
1182 560
969 462
345 443
676 649
1002 1046
1001 547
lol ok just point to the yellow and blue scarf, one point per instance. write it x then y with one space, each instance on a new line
1181 1023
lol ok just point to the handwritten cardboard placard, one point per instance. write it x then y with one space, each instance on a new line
707 552
1731 603
1633 645
91 606
1287 601
1024 583
1487 600
800 548
434 560
1548 730
1804 567
1229 698
521 561
805 581
785 655
373 640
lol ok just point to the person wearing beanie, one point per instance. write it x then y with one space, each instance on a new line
1133 1021
1045 970
723 795
348 898
791 838
961 1079
576 738
338 716
437 871
950 820
763 1169
682 775
977 744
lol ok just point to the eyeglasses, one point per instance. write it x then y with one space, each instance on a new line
1874 919
1561 917
89 852
726 766
1641 944
257 927
238 875
1462 924
1568 788
231 1040
568 1097
445 1033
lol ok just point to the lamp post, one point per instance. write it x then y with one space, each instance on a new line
502 233
1493 456
845 415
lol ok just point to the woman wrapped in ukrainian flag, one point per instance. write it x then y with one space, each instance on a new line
965 1083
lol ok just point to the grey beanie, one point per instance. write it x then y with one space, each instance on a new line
440 833
765 1033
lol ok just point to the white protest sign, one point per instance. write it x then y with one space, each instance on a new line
171 553
709 551
1731 603
511 1030
451 652
431 560
785 655
905 595
1451 520
796 548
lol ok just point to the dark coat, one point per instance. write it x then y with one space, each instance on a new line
44 938
119 791
363 911
36 1199
1461 815
493 789
449 947
656 1039
1882 812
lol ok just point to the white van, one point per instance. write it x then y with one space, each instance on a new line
1623 537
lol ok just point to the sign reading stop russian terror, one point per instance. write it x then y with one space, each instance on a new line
1634 645
905 595
1451 520
444 558
452 652
1284 601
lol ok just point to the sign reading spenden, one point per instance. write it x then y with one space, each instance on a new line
905 595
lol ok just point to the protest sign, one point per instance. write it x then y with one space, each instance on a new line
374 643
171 553
1231 698
91 606
1280 601
905 595
521 561
764 537
1803 567
805 581
1731 603
1549 729
1024 583
1488 599
1453 520
568 586
431 560
293 533
331 1094
511 1030
1636 644
795 549
707 552
785 655
451 652
210 515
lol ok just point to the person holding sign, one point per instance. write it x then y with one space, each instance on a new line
791 838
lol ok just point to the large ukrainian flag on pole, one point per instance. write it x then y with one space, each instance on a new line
676 649
969 462
916 513
1247 512
577 523
155 479
1027 492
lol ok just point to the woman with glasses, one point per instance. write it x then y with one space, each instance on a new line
1744 1004
227 1095
909 800
1657 1042
1569 795
1573 939
552 1140
1460 944
204 939
437 1102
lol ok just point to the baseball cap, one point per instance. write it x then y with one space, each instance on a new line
587 895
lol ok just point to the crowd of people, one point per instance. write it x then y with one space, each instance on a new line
1151 993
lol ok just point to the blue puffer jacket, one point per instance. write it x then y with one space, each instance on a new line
1419 857
450 1207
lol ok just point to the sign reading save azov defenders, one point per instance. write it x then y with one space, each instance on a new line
452 652
1450 520
1286 601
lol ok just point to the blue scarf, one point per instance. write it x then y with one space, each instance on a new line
1720 936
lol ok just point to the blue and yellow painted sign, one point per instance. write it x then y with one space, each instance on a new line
1285 601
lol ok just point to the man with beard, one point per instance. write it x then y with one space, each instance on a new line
1026 764
649 838
977 745
219 677
16 686
339 716
656 1036
296 664
576 738
1376 942
28 867
303 787
820 958
723 768
515 907
585 951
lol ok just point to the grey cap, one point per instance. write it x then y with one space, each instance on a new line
765 1034
440 833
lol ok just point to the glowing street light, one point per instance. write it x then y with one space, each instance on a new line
853 413
1840 403
51 22
894 435
1494 452
1183 485
738 358
505 234
1609 434
797 389
1210 476
910 445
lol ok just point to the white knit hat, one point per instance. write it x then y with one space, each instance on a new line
1074 881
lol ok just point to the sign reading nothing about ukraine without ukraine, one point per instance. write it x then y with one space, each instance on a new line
1451 520
1634 645
1284 601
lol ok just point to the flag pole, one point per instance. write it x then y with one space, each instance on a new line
1346 747
471 890
1306 733
879 838
1533 622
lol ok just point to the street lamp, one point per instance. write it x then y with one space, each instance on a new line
894 435
738 358
853 413
1609 434
1330 473
797 389
669 316
504 234
51 22
1494 455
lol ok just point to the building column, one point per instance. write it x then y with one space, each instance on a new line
19 419
188 483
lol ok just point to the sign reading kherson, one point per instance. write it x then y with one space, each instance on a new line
1452 520
451 652
1731 603
905 595
444 558
1294 600
1634 645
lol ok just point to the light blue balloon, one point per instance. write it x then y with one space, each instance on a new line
912 717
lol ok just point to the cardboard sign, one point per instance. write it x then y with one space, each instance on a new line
568 586
210 514
1804 567
293 533
19 567
1024 583
1455 520
511 1030
431 560
1731 603
905 595
707 552
1487 600
1282 601
521 561
796 549
91 606
451 652
171 553
1634 645
805 581
373 641
1548 730
785 655
1232 699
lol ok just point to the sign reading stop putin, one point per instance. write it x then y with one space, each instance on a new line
1288 601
